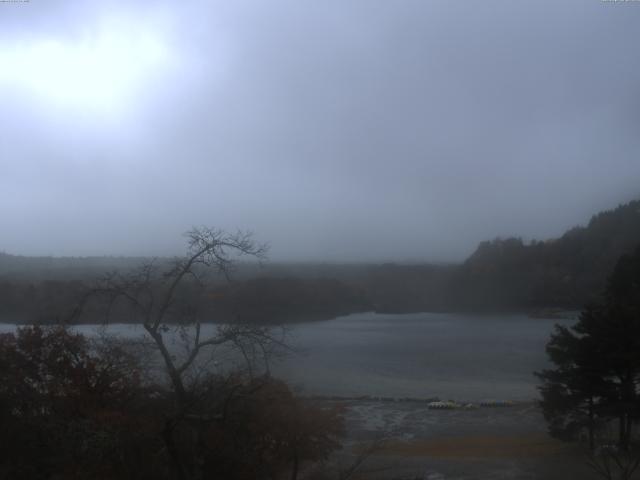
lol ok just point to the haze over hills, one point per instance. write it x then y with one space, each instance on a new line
502 274
412 171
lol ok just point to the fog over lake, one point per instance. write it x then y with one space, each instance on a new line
458 356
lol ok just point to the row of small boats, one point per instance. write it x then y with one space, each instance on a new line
451 405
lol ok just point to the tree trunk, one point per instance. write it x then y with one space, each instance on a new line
173 373
622 434
296 461
628 430
591 425
174 455
628 403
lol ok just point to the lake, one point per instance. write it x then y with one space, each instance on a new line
458 356
464 357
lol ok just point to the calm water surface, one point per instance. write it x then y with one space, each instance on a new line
463 357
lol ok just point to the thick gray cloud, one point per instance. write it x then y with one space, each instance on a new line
335 130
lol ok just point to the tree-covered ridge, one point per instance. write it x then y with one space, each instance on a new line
502 274
565 272
268 300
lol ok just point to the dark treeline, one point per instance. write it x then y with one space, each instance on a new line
502 274
285 300
73 407
565 272
592 389
261 300
509 274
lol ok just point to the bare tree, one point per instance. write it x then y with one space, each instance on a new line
155 299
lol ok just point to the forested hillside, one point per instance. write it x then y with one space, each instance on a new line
565 272
502 274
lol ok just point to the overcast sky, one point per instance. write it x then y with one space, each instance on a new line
335 130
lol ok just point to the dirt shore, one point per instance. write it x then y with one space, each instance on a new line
407 440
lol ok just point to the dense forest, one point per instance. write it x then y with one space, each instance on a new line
502 274
565 272
509 274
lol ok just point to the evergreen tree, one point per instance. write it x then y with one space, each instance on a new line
597 362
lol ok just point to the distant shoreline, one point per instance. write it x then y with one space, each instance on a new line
549 313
